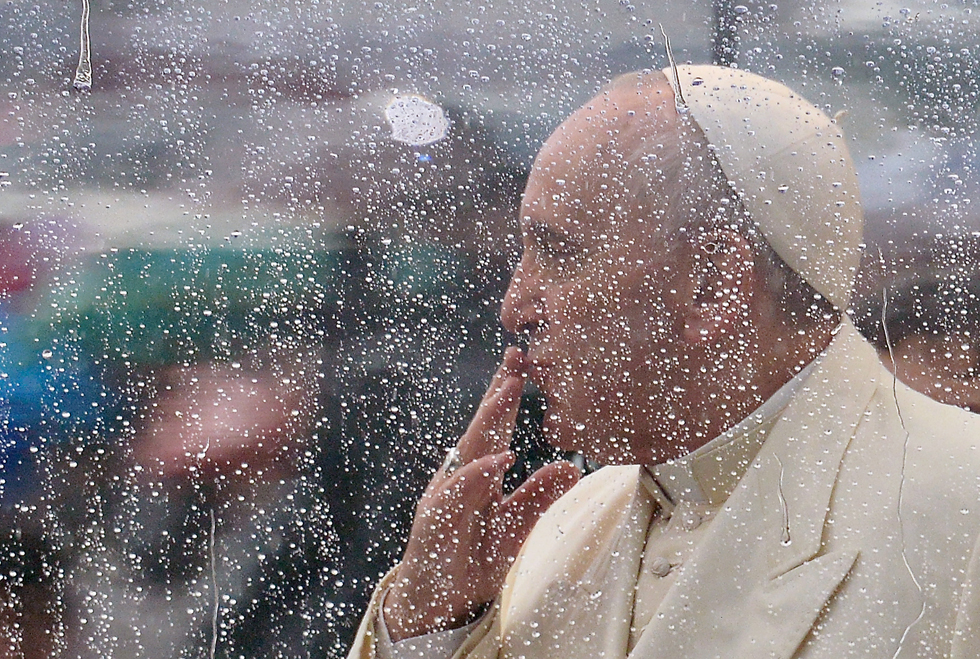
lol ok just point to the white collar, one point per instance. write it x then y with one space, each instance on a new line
710 473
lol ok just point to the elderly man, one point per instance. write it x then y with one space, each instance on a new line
690 241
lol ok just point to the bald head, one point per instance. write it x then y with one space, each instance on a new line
618 144
629 150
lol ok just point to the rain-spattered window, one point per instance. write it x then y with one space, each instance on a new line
252 256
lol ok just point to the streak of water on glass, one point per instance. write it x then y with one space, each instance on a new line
83 73
905 454
214 588
679 101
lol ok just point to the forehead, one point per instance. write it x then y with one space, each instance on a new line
617 122
596 160
607 145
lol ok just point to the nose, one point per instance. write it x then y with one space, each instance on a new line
523 307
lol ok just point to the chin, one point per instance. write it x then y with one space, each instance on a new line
585 438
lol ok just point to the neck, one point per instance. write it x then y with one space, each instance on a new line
735 387
785 350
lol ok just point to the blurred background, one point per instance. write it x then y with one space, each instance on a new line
249 276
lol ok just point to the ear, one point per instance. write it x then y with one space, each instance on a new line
722 285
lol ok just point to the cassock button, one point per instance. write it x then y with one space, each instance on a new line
660 566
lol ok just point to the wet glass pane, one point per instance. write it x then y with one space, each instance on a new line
252 263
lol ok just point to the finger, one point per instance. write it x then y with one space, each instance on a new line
482 480
473 487
492 426
521 510
505 389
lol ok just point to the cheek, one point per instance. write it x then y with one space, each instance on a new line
614 323
643 321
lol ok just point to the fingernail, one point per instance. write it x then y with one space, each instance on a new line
514 361
507 458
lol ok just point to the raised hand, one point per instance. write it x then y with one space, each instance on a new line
466 533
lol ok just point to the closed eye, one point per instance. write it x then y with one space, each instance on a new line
552 243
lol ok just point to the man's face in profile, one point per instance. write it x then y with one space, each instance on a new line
598 289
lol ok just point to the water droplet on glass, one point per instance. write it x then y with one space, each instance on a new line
740 9
837 71
697 82
783 188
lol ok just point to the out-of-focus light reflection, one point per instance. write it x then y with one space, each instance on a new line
415 120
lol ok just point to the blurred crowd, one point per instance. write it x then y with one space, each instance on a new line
199 444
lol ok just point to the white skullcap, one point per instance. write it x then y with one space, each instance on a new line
789 164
